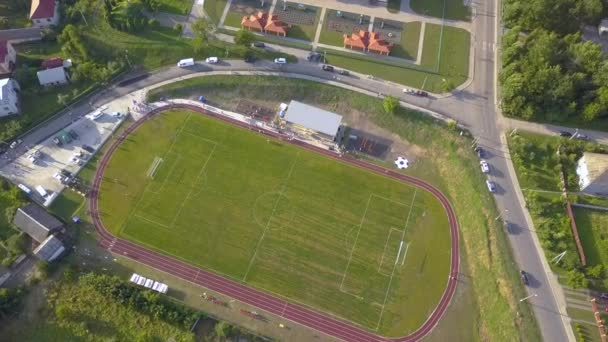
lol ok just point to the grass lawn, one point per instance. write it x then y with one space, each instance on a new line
453 44
182 7
301 31
408 47
393 6
593 230
67 204
77 312
264 215
454 9
233 19
17 18
215 9
486 303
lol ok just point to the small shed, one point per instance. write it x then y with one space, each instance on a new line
49 249
312 118
36 222
592 171
53 76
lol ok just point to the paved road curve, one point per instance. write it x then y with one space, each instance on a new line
294 312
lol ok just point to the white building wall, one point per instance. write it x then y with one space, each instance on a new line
11 57
9 104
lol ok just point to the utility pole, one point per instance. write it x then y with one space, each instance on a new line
530 296
127 57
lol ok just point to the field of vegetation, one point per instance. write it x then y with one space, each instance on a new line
258 211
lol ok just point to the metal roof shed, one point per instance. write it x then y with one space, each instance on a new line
36 222
313 118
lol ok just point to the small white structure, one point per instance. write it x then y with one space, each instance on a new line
592 171
602 29
308 118
54 76
44 13
49 249
402 163
8 57
9 97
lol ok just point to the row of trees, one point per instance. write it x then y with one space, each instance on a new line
145 301
549 72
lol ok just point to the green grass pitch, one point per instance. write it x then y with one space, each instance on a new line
282 219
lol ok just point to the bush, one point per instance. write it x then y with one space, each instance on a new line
178 28
153 23
49 34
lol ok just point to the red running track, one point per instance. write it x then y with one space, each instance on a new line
295 312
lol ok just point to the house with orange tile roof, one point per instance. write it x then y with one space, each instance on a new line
366 41
254 22
275 26
378 45
356 41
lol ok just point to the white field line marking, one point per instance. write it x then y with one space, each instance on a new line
384 252
388 288
185 200
152 221
274 208
162 186
390 200
352 250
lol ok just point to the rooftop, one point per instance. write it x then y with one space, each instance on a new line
49 249
313 118
3 49
36 222
42 9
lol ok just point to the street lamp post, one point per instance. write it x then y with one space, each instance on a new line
530 296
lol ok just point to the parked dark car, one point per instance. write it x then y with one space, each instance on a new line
250 59
422 93
565 134
314 57
344 72
524 277
66 173
259 45
327 68
88 148
73 134
480 152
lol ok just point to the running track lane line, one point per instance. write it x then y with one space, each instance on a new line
295 312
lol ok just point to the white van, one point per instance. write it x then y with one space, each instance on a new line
212 60
185 62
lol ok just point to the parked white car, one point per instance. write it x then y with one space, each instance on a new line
485 167
212 60
491 185
409 91
280 60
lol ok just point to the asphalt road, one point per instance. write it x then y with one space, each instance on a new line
474 107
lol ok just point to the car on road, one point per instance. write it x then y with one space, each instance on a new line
259 45
344 72
603 296
326 67
565 134
280 60
422 93
580 136
15 143
409 91
524 277
314 57
212 60
88 148
491 185
485 167
480 152
249 59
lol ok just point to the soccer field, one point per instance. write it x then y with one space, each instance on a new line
354 244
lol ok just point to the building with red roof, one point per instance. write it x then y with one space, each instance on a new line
51 63
275 26
261 22
8 57
378 45
44 13
367 41
357 41
254 22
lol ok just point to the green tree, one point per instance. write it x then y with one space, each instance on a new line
200 27
9 298
222 329
72 44
390 104
576 279
244 38
596 271
198 44
3 23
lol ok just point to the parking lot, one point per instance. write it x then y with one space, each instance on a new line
44 166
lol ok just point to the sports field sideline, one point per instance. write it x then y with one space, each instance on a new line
360 246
